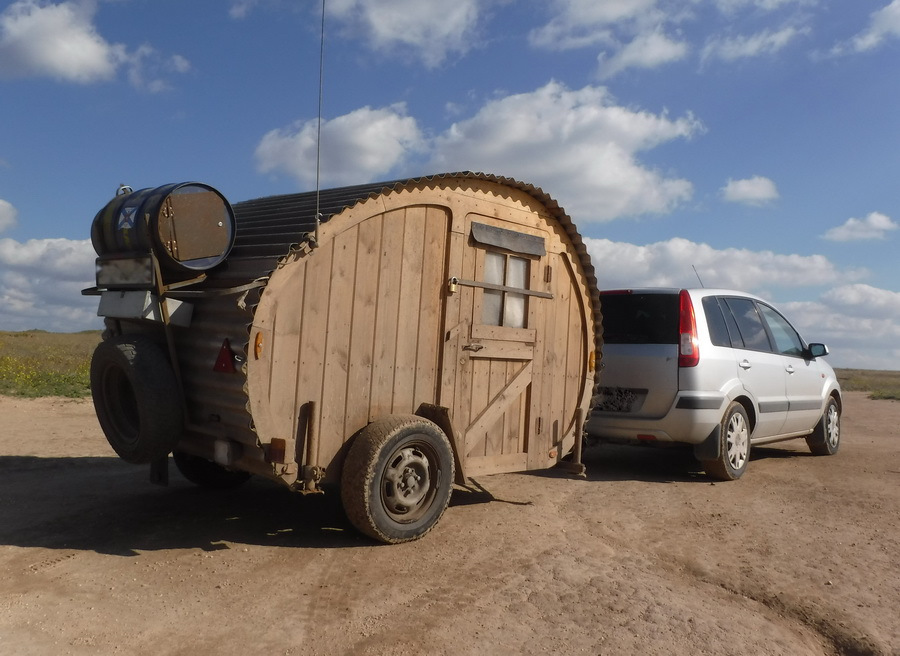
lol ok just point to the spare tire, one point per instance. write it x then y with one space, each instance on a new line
136 398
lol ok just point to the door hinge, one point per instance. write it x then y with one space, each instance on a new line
539 424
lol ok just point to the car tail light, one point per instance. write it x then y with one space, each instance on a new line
688 343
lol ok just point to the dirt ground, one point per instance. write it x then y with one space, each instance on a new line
646 556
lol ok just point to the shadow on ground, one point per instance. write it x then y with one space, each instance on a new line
108 506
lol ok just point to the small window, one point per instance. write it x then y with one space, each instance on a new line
750 324
505 307
718 331
787 341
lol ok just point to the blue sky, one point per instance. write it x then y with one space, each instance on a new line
756 140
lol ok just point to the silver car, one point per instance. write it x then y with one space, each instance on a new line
719 369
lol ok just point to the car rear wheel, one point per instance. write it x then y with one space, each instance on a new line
825 439
734 446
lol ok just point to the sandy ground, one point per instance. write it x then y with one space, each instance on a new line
646 556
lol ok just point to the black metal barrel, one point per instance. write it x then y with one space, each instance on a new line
189 226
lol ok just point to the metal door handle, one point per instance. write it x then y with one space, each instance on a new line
745 364
473 347
789 368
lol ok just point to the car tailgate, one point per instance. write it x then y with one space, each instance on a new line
638 379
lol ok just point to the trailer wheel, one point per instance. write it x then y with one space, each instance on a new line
206 473
397 478
136 398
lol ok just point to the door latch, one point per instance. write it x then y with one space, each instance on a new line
473 347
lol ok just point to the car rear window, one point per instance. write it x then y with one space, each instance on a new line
639 318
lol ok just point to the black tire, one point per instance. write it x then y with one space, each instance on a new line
397 478
136 398
734 446
206 473
825 440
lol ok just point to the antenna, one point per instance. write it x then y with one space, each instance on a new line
319 120
698 275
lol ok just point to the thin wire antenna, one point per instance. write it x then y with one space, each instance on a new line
698 276
319 121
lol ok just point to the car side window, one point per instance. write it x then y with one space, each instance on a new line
718 331
750 324
787 341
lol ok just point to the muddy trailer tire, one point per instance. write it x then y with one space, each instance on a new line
136 398
397 478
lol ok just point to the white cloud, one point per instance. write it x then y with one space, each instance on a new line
581 23
580 144
647 50
767 42
875 226
732 6
41 282
362 145
8 215
750 191
432 29
860 324
57 40
670 264
884 24
60 41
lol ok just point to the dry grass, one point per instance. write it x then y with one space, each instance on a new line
36 363
879 384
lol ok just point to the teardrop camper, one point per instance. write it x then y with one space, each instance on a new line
407 336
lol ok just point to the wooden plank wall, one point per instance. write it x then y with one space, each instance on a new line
357 331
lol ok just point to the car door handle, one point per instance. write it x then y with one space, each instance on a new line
789 368
745 364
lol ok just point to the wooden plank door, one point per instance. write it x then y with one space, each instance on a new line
494 308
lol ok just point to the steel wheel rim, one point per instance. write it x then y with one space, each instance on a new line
737 441
832 426
409 482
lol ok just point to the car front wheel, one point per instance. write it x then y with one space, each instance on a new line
825 440
734 446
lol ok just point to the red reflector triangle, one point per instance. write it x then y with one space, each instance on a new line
225 361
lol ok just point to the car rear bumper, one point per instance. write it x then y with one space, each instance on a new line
690 420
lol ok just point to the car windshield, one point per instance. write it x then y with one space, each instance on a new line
639 318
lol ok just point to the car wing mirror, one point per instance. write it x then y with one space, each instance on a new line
817 350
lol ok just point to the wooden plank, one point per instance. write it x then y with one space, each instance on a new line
511 462
337 334
497 380
408 310
503 351
429 343
513 389
454 331
513 439
362 330
311 365
390 263
556 409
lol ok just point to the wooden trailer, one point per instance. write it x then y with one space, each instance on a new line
421 332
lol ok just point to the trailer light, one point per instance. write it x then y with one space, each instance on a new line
258 346
646 438
225 361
